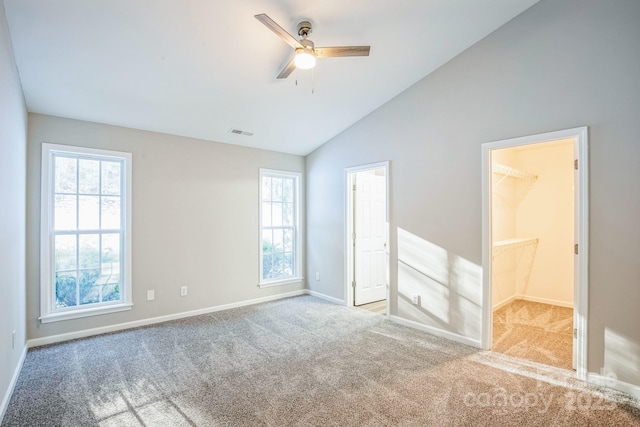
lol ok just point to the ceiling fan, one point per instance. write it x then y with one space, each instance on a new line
306 52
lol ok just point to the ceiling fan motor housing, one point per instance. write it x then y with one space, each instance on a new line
304 29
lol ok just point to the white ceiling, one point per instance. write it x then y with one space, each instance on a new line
198 68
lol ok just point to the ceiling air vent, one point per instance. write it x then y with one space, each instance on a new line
240 132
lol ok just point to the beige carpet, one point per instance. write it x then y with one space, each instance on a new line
297 362
534 331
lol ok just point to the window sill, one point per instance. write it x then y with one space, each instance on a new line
288 281
86 312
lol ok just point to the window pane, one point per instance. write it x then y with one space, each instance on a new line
267 241
287 269
274 270
66 290
65 174
90 291
88 176
287 214
266 188
111 292
89 212
287 190
276 189
64 213
110 253
110 267
266 214
276 214
111 178
65 252
89 253
110 213
267 266
277 240
109 280
288 240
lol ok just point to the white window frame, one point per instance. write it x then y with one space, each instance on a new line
297 240
48 311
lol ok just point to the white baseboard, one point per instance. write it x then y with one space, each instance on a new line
505 302
622 386
532 299
326 297
546 301
36 342
437 332
12 384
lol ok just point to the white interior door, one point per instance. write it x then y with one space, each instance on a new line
370 237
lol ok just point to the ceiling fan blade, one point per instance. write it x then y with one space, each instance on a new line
271 24
330 52
288 69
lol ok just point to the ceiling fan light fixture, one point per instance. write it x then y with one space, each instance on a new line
305 51
305 59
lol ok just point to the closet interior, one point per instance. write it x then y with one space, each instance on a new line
532 260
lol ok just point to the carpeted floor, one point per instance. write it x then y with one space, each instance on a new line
296 362
539 332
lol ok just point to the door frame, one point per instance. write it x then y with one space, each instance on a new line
581 236
349 176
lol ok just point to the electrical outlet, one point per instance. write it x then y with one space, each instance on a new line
317 275
151 295
183 291
415 299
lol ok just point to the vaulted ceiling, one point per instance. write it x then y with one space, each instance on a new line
199 68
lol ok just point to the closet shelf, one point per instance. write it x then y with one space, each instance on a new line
500 246
508 171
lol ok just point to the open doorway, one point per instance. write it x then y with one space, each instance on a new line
366 284
532 233
534 254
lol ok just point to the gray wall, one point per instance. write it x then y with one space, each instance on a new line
13 146
195 219
559 65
